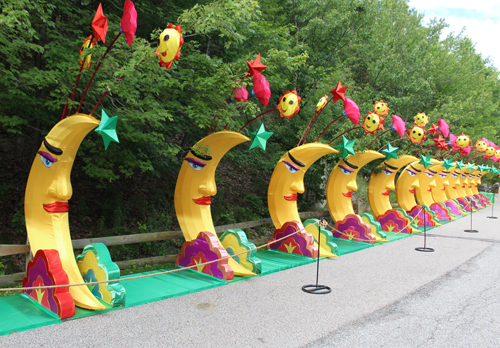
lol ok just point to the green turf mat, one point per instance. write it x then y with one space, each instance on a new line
349 246
156 288
275 261
392 236
20 313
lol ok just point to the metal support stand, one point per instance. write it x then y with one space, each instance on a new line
318 289
425 249
471 230
492 215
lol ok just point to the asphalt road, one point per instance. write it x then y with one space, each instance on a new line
385 296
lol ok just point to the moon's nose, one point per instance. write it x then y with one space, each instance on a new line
60 188
415 184
446 183
297 186
390 186
208 187
433 183
352 185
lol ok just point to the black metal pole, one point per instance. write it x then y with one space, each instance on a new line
492 214
425 249
318 289
471 230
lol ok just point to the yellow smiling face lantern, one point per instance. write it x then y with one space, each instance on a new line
372 123
416 134
86 61
421 119
289 104
381 108
322 103
463 141
169 47
481 145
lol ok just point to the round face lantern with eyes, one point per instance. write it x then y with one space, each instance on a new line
463 141
381 108
372 122
289 104
416 134
169 46
481 146
490 151
421 119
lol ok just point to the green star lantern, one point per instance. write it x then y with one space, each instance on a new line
390 152
425 161
346 147
107 129
260 137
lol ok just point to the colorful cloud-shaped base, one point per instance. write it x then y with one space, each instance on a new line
352 227
301 243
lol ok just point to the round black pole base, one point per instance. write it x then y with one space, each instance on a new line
492 217
425 249
471 231
316 289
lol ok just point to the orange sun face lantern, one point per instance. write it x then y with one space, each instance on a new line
169 47
86 61
421 119
381 108
481 145
289 104
416 134
463 141
372 123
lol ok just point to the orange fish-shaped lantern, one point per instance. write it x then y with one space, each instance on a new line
169 47
289 104
381 108
322 102
85 62
416 134
372 123
421 119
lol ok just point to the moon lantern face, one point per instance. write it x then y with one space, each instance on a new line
287 181
196 183
454 180
46 199
443 179
342 182
428 183
408 181
382 183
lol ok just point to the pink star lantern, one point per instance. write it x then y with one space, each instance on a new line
128 25
351 111
398 125
443 127
261 89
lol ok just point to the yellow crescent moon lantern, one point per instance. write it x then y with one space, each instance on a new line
196 185
477 181
468 182
428 183
342 182
288 180
408 181
46 199
443 179
462 182
382 183
454 179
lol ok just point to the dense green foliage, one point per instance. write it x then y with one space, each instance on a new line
380 49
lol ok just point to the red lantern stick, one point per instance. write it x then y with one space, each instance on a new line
347 131
378 136
256 117
76 86
324 130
